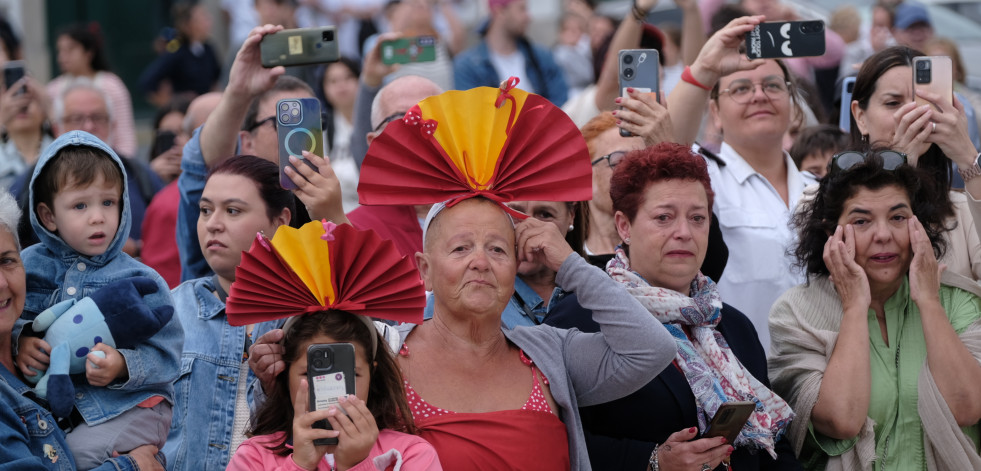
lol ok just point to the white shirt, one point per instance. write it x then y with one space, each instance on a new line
755 224
512 65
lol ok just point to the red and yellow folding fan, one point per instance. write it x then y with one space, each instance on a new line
501 143
323 266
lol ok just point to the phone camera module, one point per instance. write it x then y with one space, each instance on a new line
923 65
628 59
628 73
327 36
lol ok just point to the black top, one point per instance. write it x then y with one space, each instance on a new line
621 434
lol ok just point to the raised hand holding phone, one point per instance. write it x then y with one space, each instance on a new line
299 128
302 46
639 70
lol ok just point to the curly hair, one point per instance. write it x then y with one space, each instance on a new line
818 218
386 393
640 168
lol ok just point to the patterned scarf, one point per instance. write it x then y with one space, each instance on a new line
712 370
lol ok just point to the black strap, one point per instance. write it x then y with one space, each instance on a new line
524 307
222 295
711 155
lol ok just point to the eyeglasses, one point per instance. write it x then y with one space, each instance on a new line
891 160
271 119
612 159
742 91
389 119
78 120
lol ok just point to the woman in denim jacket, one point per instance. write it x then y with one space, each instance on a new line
214 392
30 436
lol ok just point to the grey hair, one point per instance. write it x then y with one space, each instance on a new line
77 83
376 104
9 215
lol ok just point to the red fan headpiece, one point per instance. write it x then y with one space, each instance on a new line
322 266
504 144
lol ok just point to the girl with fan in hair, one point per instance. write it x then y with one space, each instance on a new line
242 197
377 419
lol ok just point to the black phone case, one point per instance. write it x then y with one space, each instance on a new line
729 420
784 39
299 128
341 361
12 72
302 46
642 71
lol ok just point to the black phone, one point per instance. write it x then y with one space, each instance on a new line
299 128
163 141
639 69
783 39
729 420
300 46
12 72
330 375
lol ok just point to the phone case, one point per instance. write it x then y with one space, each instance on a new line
298 125
935 75
786 39
845 112
330 375
729 420
638 69
299 47
406 50
12 72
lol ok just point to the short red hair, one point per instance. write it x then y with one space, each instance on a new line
640 168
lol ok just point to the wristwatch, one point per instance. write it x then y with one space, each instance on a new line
972 171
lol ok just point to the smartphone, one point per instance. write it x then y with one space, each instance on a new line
406 50
729 420
935 75
330 375
845 111
12 72
163 141
639 69
299 47
299 128
786 39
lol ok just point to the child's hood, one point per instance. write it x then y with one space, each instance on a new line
51 240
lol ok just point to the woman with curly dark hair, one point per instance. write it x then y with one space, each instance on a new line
877 355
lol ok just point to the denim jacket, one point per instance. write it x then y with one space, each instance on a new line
31 439
473 68
206 389
194 174
56 272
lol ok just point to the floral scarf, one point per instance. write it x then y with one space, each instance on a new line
712 370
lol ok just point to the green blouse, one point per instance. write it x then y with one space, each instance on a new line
895 368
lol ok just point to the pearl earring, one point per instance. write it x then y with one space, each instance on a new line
571 227
627 241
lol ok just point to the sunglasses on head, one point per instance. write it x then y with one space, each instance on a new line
891 160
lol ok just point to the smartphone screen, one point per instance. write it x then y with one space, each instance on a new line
299 128
729 420
935 75
407 50
330 376
12 72
782 39
845 112
639 69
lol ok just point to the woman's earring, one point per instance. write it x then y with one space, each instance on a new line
626 241
865 138
571 227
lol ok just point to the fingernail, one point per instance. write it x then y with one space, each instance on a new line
342 399
731 449
614 113
723 442
692 430
618 101
293 159
630 90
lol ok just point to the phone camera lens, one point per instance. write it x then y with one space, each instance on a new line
284 106
628 73
923 65
628 59
285 118
295 112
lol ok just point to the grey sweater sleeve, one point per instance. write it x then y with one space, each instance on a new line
629 351
362 121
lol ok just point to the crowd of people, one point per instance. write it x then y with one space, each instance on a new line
535 268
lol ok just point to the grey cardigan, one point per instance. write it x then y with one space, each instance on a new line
585 369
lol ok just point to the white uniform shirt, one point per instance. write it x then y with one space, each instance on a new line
756 227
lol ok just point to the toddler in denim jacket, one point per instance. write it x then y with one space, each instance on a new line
79 209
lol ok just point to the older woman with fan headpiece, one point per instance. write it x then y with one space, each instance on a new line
242 197
484 396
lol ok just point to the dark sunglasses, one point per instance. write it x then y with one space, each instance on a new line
891 160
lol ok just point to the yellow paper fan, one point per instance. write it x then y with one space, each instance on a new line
309 261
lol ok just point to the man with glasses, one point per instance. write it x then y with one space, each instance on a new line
82 106
244 122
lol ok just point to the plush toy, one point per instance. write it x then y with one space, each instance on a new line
115 315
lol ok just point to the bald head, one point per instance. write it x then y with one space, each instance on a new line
199 109
400 95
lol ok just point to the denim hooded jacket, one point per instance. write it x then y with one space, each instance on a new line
204 411
56 272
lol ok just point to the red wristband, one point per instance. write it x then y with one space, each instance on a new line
686 76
